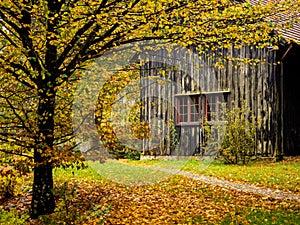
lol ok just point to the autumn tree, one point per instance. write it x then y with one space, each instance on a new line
46 43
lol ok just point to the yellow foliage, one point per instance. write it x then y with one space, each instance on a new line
45 44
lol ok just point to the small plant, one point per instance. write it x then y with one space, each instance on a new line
7 184
11 217
12 169
97 213
173 137
239 137
64 208
235 140
133 155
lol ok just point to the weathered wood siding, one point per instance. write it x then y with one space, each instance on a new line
257 83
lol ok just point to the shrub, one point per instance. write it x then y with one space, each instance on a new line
234 139
10 217
12 168
133 155
239 137
7 185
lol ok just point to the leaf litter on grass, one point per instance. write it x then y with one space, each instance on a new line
120 171
177 200
174 200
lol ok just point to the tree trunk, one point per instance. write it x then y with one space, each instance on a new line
42 196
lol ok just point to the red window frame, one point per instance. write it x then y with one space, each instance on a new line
188 108
193 108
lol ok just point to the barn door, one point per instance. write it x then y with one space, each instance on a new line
291 102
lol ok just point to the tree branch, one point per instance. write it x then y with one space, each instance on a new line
15 153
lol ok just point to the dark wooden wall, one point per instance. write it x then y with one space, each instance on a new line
290 72
257 82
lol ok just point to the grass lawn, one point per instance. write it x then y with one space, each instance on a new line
89 198
284 175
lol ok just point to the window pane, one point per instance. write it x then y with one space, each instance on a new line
188 108
194 108
215 106
183 109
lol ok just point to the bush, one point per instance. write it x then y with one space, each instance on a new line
234 138
12 168
239 138
10 217
8 181
134 155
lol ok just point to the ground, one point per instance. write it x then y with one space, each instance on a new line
84 197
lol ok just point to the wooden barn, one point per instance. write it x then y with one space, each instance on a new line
180 90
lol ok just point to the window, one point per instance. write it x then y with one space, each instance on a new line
188 109
193 108
215 106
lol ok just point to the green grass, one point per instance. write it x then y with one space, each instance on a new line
128 174
92 193
261 217
243 211
283 175
72 173
119 171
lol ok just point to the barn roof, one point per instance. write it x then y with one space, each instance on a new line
292 33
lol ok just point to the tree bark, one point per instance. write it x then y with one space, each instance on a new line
42 196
